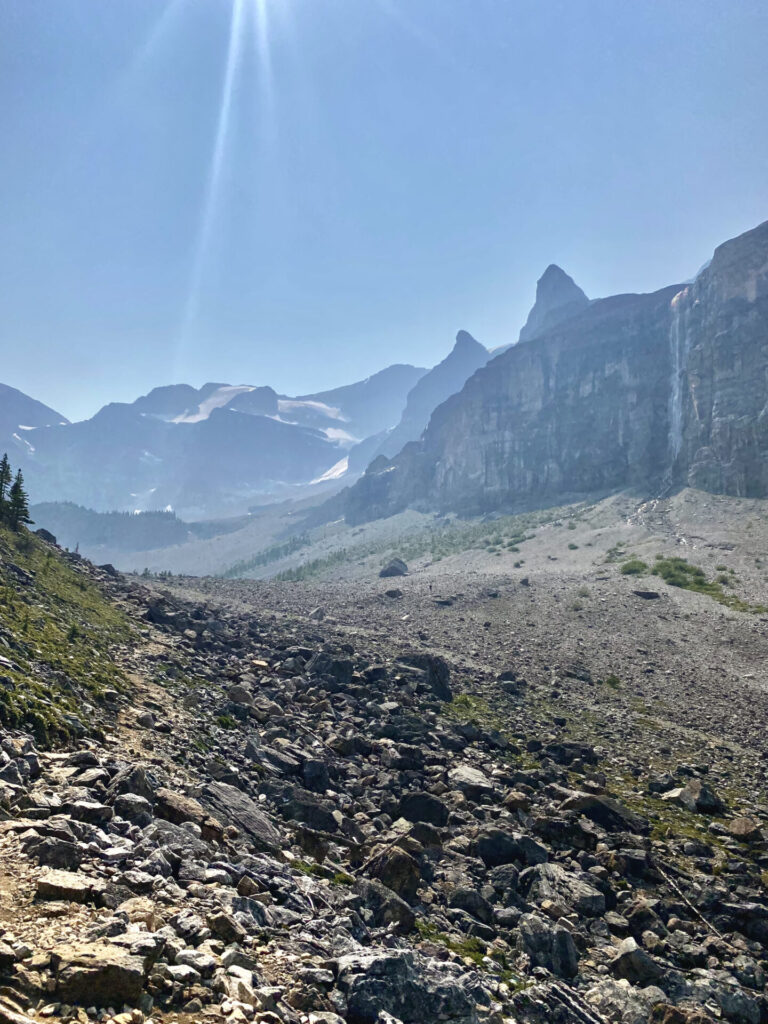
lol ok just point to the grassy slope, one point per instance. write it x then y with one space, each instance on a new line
58 632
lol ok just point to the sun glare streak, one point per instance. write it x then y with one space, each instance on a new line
121 91
264 55
393 11
150 46
234 56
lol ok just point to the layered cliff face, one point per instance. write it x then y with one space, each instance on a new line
644 390
719 371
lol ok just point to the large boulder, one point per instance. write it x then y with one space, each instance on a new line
178 808
398 871
411 988
547 945
470 781
471 902
131 779
574 889
179 841
329 666
52 852
696 796
381 907
634 964
495 847
97 974
607 812
70 886
425 808
297 804
620 1001
395 567
436 670
233 806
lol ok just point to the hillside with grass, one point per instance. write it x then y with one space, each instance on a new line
59 634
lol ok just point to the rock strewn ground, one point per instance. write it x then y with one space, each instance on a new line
292 821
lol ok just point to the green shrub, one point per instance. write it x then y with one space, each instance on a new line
634 567
678 572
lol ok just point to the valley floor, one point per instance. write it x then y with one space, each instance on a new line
688 674
514 785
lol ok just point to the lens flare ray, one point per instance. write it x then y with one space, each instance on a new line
233 61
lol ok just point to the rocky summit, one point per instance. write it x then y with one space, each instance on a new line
244 806
557 297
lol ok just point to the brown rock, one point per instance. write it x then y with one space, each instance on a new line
746 829
177 808
69 885
398 871
516 801
97 974
663 1013
141 910
225 927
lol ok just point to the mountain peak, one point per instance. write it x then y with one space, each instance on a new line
557 297
466 343
18 410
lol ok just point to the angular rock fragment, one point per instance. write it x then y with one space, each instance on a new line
232 805
68 885
97 974
548 945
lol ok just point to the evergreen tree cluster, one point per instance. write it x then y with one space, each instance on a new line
14 501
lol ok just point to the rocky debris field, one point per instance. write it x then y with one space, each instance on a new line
303 814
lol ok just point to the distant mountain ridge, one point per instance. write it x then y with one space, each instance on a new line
443 380
205 451
644 390
19 412
652 391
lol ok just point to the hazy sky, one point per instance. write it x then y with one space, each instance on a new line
299 192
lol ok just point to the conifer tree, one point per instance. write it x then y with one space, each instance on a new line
5 483
18 504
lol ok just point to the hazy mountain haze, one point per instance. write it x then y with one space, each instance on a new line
298 193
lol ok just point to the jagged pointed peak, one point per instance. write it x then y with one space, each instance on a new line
553 270
557 297
466 343
555 282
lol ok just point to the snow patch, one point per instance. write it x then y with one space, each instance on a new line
219 398
341 436
291 404
335 472
23 440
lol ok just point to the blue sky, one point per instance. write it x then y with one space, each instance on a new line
299 192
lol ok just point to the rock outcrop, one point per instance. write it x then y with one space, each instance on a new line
557 297
635 390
